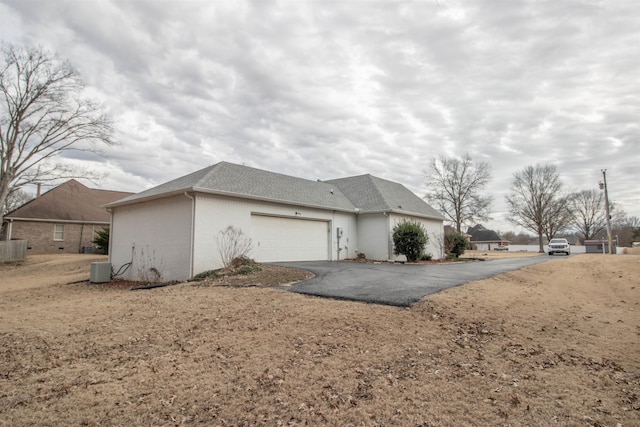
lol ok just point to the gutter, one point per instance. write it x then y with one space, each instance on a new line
228 194
266 199
418 214
402 212
58 221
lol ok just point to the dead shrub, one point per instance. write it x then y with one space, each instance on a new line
233 244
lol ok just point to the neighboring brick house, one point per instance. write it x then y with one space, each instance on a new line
62 220
486 239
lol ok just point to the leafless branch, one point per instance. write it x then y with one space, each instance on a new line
456 187
42 115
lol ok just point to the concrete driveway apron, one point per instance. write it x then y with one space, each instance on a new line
397 284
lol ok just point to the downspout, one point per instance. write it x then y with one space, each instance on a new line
80 243
192 237
389 244
338 243
109 251
9 230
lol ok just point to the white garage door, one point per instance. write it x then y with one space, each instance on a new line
288 239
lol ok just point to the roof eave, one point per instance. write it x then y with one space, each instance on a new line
421 215
402 212
59 221
271 200
224 193
123 202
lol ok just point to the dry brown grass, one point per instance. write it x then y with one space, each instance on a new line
552 344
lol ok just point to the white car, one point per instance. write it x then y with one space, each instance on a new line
559 246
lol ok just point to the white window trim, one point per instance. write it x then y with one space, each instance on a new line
55 232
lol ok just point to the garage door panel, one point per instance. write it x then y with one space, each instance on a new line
288 239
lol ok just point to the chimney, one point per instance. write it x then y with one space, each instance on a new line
39 190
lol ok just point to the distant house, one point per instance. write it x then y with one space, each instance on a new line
173 229
62 220
484 239
573 240
600 246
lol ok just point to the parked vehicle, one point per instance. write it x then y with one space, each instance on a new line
559 246
501 248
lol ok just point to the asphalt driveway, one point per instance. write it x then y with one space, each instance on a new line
397 284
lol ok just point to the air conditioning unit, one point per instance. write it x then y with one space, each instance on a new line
100 272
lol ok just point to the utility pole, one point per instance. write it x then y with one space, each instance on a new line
603 186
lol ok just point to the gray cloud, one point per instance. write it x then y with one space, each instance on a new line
329 89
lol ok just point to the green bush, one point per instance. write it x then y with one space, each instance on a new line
426 257
241 265
244 265
209 274
455 244
409 239
101 239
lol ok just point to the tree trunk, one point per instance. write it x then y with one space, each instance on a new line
540 242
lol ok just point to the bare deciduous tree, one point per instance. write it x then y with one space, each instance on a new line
456 189
42 114
589 219
589 214
559 216
627 230
535 196
15 200
521 238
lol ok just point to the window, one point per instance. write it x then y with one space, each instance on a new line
58 232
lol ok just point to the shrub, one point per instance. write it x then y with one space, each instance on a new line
409 239
244 265
101 239
213 274
455 244
233 244
426 257
239 266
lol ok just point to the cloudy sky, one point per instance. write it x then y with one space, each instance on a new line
327 89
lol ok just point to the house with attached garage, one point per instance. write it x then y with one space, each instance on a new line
172 230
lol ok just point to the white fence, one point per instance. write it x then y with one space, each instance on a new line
536 248
574 249
13 250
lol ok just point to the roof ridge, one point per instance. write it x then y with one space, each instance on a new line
378 190
209 170
286 176
350 180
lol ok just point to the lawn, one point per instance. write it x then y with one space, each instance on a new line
551 344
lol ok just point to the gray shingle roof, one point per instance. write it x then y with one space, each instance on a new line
372 194
237 180
366 193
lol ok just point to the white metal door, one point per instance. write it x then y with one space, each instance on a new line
289 239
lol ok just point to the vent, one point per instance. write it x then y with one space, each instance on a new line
100 272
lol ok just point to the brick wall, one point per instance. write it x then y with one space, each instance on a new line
40 236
